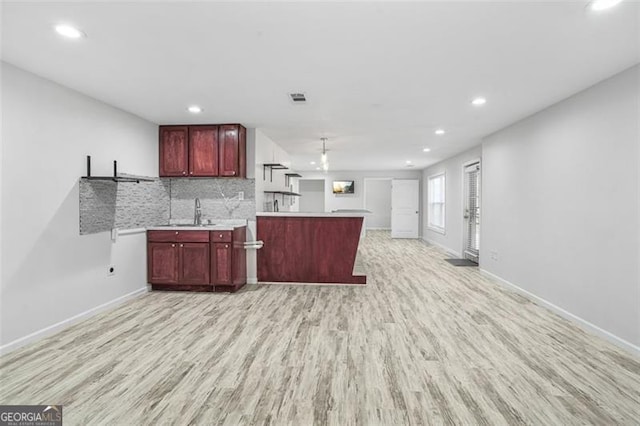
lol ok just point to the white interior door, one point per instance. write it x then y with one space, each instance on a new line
405 208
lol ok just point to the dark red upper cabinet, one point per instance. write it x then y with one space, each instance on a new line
232 142
203 151
174 150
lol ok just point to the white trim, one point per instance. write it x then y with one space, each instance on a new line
464 203
253 280
52 329
132 231
378 229
435 228
442 247
584 324
471 162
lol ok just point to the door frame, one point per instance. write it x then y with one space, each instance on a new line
364 197
464 202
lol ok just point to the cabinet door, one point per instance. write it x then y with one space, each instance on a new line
174 151
203 151
194 263
229 150
221 263
162 263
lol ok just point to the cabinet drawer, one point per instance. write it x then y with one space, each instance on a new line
178 236
221 236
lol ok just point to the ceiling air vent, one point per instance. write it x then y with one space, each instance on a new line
298 98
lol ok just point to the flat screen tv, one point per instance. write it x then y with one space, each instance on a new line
343 187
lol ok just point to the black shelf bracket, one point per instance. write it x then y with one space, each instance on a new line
288 176
115 177
271 167
282 194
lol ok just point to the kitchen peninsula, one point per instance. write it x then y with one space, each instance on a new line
309 247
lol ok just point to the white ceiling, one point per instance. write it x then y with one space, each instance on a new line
380 77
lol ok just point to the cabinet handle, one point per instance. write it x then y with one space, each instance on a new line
226 246
190 173
177 232
220 235
184 173
181 245
233 173
173 245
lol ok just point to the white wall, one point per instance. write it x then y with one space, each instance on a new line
560 205
312 195
50 273
452 239
356 200
267 151
378 202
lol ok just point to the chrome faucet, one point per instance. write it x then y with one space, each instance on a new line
197 217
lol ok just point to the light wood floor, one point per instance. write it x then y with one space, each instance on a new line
423 343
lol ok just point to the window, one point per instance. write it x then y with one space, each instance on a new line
436 207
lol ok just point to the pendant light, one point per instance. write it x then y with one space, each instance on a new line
323 158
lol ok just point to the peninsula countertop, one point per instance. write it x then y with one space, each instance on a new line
335 213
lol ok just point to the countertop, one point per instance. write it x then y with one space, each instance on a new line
343 213
221 225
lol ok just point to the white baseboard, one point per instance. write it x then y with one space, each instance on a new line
252 280
52 329
582 323
378 229
445 248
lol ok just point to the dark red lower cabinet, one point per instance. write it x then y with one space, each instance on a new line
221 263
197 260
228 259
194 263
162 263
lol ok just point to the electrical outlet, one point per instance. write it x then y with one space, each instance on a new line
241 195
494 255
111 271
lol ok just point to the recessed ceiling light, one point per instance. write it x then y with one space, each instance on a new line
599 5
408 161
479 101
317 168
69 31
439 132
194 109
312 163
426 150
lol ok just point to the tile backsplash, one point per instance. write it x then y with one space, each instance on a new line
105 204
219 198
